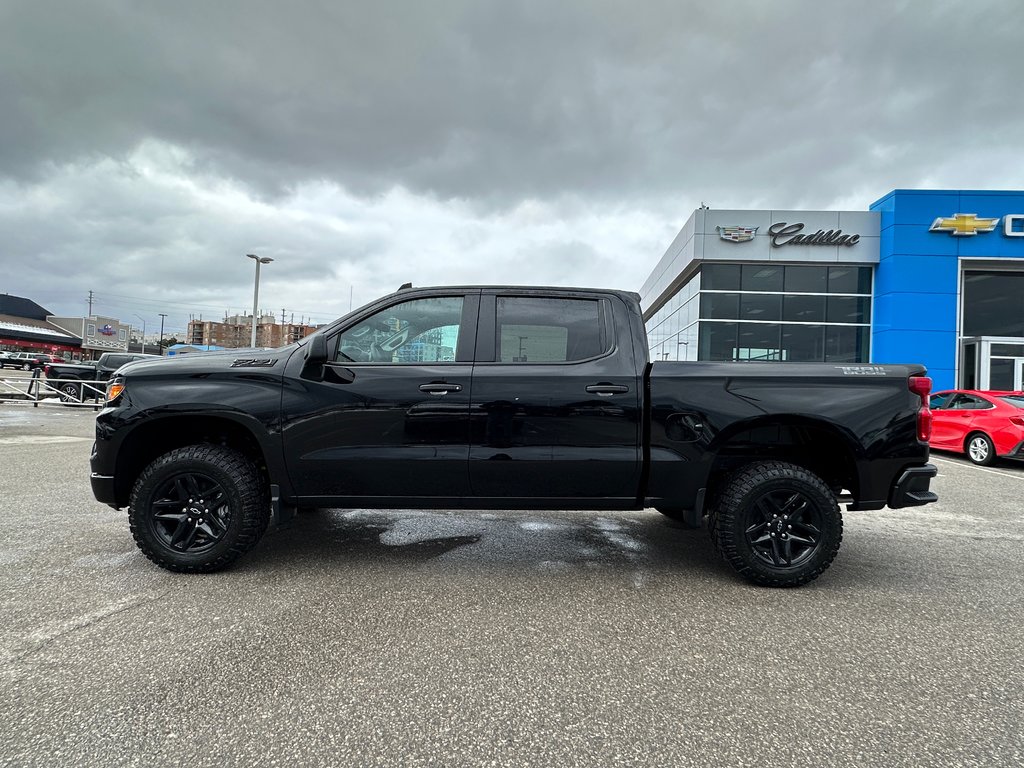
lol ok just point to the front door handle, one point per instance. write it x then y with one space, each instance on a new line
607 390
440 388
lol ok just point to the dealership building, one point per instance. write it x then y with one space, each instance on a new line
924 276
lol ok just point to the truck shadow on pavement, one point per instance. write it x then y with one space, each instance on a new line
524 541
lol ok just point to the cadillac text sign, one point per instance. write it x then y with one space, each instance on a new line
783 234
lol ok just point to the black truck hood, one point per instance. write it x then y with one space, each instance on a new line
265 360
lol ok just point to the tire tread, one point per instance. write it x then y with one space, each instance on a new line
253 502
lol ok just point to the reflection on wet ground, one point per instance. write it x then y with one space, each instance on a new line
553 541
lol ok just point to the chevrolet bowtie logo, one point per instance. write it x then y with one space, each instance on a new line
963 224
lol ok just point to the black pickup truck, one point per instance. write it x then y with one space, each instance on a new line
76 381
508 398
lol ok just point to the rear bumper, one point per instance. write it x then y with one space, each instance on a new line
911 490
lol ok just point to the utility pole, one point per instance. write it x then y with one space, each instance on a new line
162 316
90 304
256 292
282 315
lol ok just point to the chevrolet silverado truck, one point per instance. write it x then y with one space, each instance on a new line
508 398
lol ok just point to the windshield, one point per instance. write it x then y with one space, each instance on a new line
1014 400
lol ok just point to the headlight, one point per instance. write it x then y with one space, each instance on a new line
114 389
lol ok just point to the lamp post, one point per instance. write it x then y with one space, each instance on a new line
162 316
143 332
256 292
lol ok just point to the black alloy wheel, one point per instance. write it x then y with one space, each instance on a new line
190 512
776 523
786 528
198 508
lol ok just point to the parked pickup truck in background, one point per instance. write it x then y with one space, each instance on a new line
508 398
68 377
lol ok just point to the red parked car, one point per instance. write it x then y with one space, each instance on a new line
981 424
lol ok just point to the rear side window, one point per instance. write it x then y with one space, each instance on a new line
971 403
538 329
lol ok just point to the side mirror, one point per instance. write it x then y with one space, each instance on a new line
316 354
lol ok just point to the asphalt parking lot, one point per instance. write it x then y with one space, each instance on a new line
510 638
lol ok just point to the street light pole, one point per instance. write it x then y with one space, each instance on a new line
162 316
143 332
256 292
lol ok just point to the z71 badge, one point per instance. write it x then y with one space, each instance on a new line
254 362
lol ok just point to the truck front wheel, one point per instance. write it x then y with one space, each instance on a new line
777 524
70 393
197 509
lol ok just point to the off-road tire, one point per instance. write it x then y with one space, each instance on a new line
248 506
737 516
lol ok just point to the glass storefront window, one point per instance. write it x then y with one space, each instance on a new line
758 341
849 279
804 309
1008 350
720 277
717 341
845 344
992 304
760 306
970 365
803 343
794 306
715 306
1000 374
761 277
848 309
800 279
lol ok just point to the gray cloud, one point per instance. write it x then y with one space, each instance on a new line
145 147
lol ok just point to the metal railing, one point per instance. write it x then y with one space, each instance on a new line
38 389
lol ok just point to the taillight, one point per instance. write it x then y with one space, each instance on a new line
922 387
1018 420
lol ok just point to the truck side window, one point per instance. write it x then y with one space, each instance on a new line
549 330
417 331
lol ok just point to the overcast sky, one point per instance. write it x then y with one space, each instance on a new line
145 148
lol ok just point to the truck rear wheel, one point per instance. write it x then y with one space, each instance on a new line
197 509
777 524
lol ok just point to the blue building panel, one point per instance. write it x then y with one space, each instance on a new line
916 239
916 312
934 349
916 206
913 272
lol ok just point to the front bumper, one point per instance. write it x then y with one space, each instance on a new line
103 489
911 490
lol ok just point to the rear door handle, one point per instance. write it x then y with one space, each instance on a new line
607 390
440 388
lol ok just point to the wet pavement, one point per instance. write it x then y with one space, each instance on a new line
360 637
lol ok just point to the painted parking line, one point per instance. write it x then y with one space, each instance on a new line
981 469
41 439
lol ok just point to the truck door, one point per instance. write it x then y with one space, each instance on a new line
391 416
556 406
